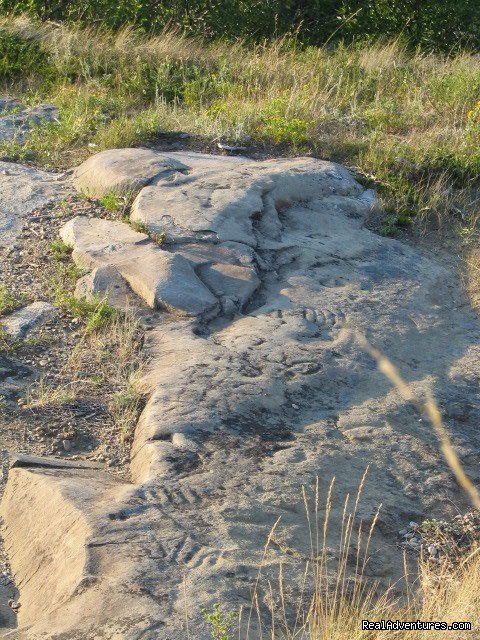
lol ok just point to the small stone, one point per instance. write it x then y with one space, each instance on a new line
20 323
106 283
229 147
67 445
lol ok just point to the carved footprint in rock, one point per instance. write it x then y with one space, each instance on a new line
324 317
332 283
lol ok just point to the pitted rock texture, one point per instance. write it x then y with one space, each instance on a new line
220 203
23 189
249 405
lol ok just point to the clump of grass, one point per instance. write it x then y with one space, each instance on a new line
141 227
125 407
42 394
4 341
116 349
95 314
471 247
112 201
8 302
59 249
112 348
99 316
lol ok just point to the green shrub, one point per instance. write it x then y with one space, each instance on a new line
430 24
219 623
21 56
281 130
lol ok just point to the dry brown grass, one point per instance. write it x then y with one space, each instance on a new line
472 267
343 597
440 591
106 362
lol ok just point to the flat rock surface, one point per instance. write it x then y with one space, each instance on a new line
219 203
248 406
16 121
23 189
19 323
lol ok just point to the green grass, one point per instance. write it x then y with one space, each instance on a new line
8 302
111 201
125 406
60 250
141 227
95 314
407 122
100 316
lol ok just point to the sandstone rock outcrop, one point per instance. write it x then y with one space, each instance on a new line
19 323
16 120
22 189
160 278
257 389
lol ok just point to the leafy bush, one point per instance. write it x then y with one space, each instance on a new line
431 24
19 55
220 623
292 131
